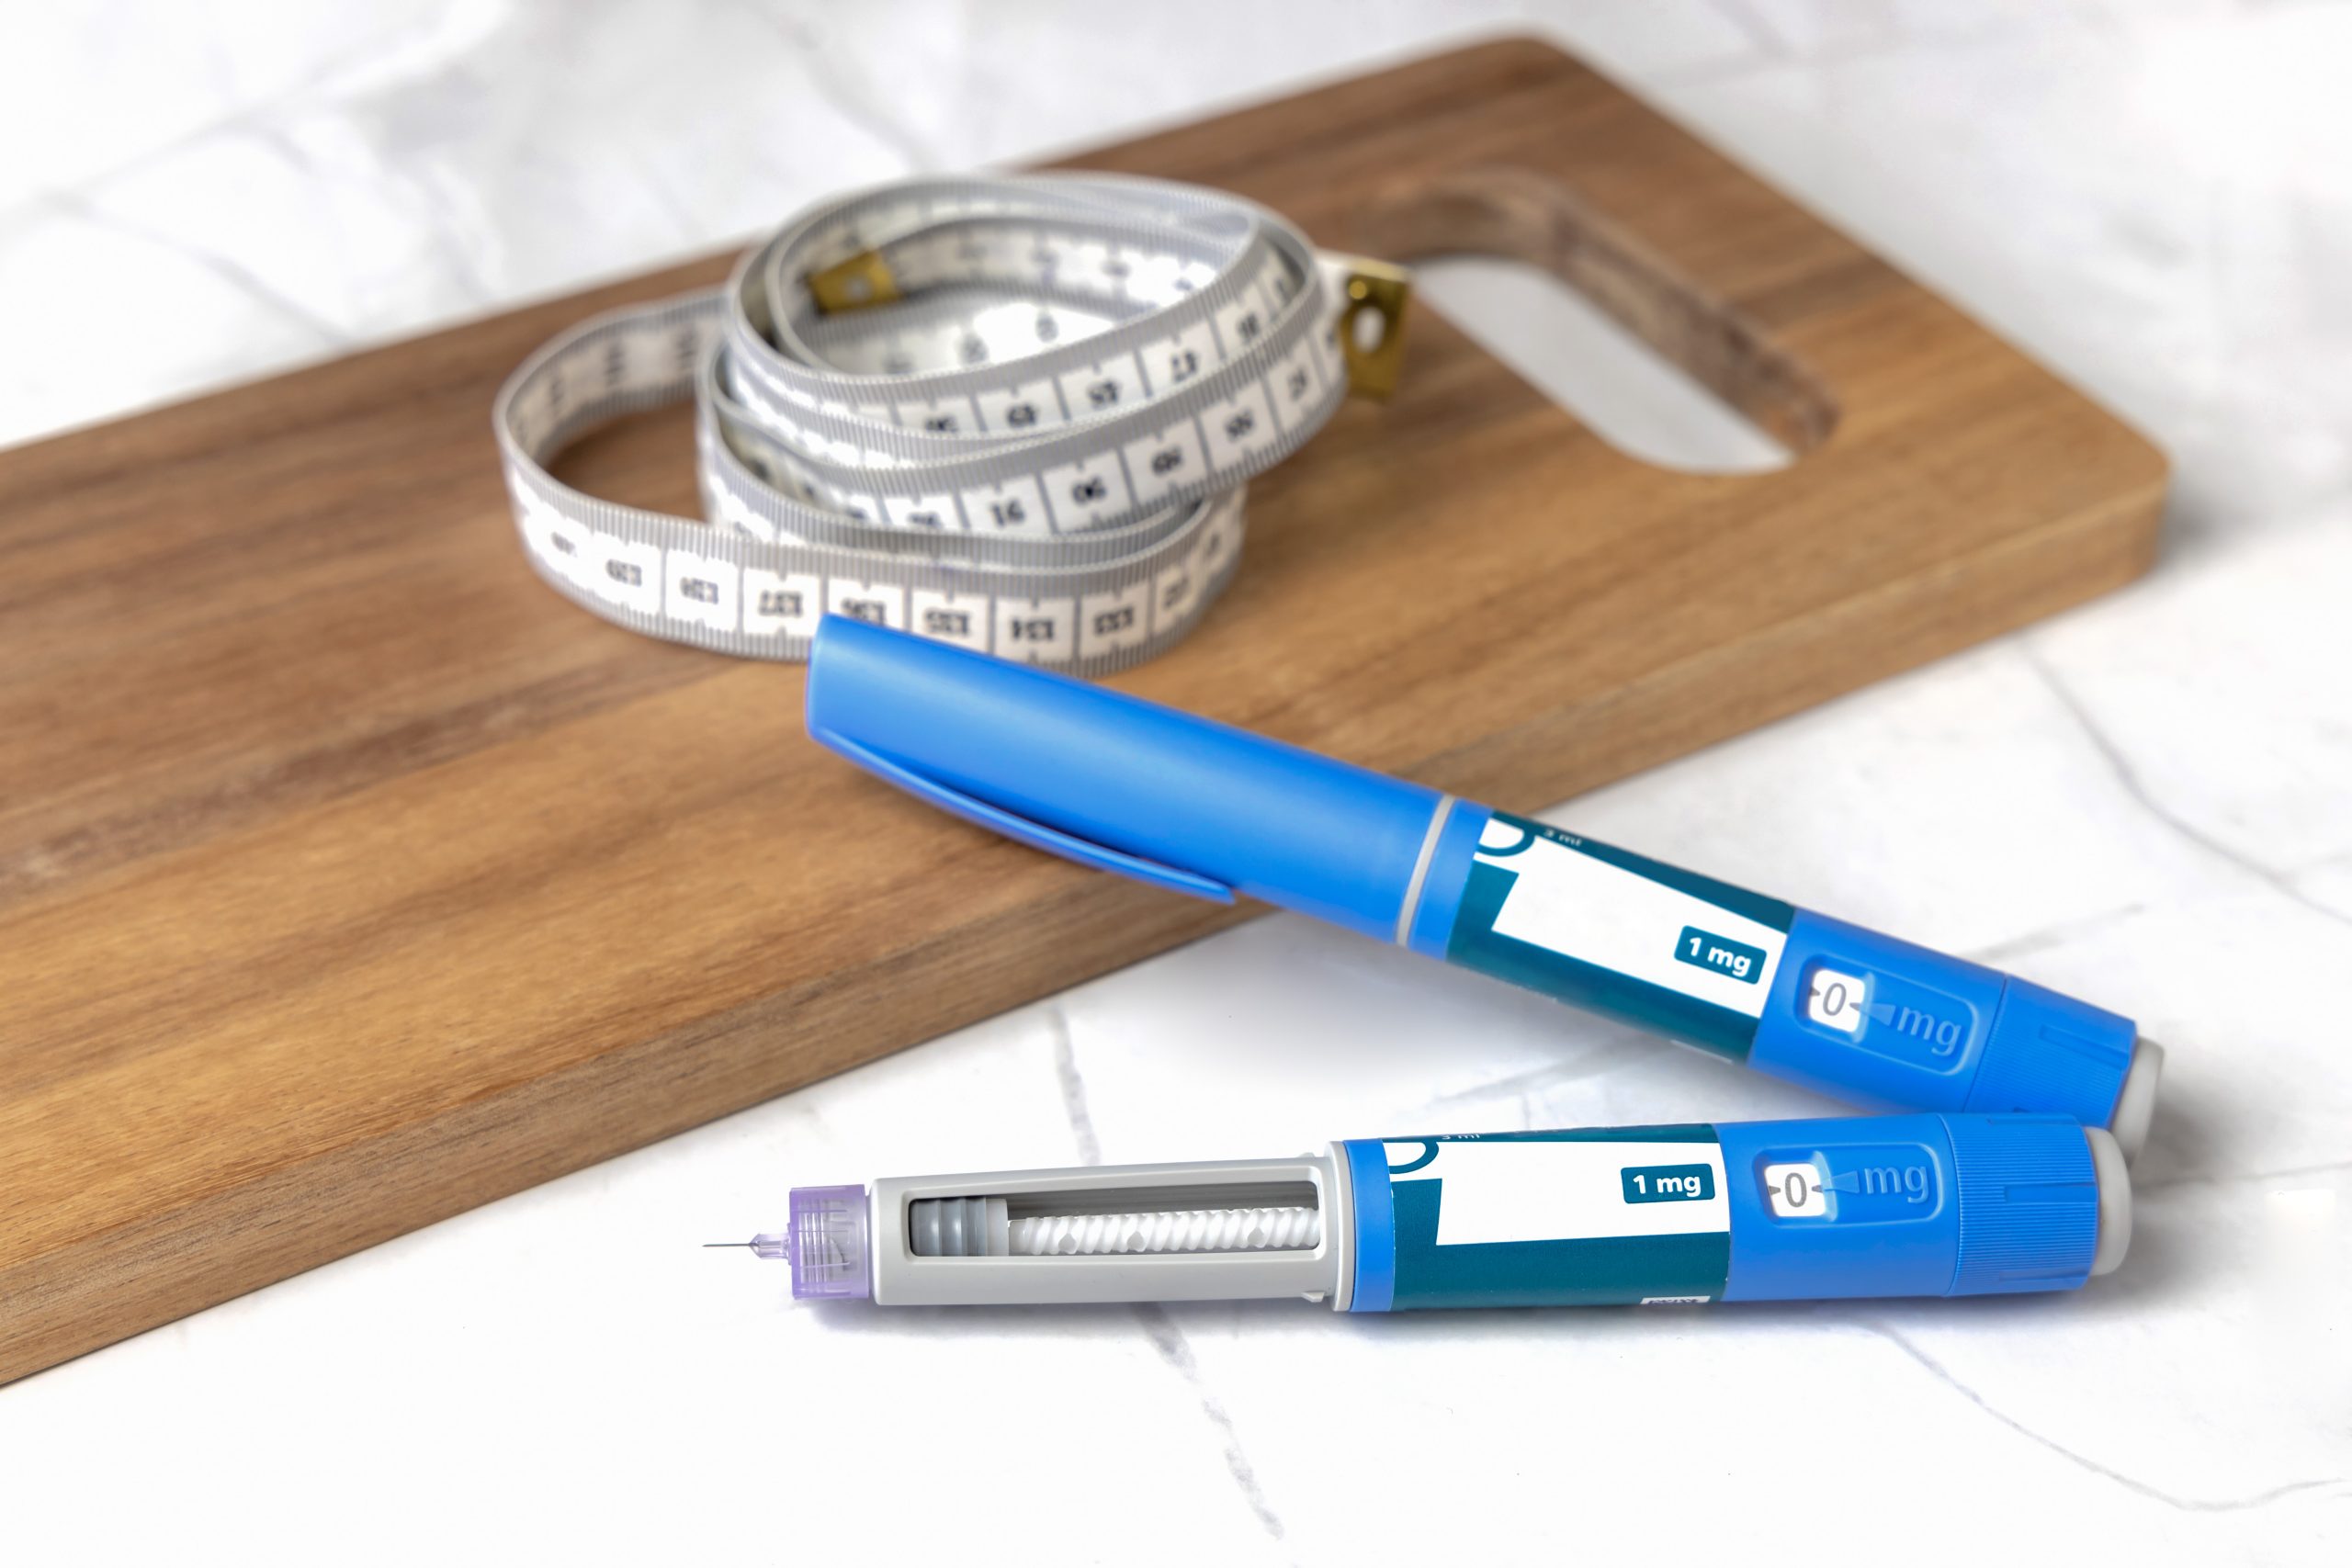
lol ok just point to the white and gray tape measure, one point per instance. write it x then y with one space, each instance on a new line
1015 415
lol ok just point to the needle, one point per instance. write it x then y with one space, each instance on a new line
765 1245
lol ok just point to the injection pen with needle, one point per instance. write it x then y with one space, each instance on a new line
1916 1205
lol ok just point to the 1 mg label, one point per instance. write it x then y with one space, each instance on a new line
1684 955
1668 1184
1719 954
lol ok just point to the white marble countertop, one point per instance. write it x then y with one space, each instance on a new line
2147 802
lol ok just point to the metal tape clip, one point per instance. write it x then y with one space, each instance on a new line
1374 358
864 280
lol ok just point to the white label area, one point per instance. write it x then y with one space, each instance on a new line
1589 909
1512 1190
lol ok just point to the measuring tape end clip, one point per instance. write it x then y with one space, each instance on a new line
1376 360
859 283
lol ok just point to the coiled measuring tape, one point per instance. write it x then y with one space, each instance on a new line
1015 415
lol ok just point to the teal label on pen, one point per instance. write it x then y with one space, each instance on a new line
1614 1216
1719 954
1685 955
1667 1183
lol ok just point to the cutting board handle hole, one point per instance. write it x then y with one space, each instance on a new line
1599 323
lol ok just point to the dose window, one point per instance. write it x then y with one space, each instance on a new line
1835 997
1793 1191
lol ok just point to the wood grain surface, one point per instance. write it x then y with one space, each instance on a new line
349 878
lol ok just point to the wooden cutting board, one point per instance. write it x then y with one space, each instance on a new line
349 878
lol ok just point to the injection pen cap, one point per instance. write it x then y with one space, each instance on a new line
1120 783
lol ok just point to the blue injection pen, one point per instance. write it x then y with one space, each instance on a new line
1184 803
1920 1205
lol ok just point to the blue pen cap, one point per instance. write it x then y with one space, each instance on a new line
1118 783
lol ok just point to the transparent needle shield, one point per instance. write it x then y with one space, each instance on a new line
825 1241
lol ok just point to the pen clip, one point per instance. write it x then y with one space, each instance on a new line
1037 835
